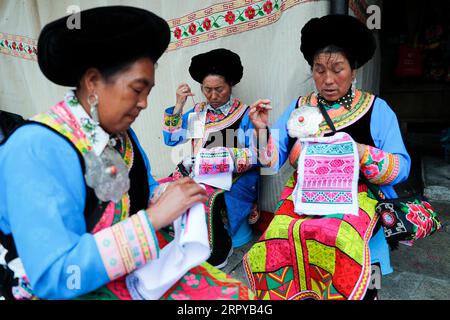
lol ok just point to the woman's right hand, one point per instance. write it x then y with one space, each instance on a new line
183 91
176 199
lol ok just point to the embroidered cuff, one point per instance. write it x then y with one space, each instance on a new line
378 166
242 158
172 122
214 161
127 245
295 154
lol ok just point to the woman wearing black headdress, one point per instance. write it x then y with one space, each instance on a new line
328 255
75 216
8 122
222 146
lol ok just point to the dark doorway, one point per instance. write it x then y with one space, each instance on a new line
415 77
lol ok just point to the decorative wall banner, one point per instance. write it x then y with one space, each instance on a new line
18 46
217 21
226 19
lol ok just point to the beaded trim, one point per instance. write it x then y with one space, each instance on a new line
342 118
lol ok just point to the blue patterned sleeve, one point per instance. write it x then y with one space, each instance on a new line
175 127
44 202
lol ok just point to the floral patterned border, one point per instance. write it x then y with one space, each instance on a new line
226 19
18 46
217 21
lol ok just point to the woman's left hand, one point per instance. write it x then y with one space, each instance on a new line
259 114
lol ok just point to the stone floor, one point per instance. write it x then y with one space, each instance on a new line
422 272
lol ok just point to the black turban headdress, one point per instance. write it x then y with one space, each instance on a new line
342 31
220 62
107 37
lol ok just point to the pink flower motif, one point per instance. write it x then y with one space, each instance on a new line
205 291
250 12
206 167
376 154
413 207
420 217
223 167
207 24
428 206
230 17
180 296
177 33
268 7
371 171
230 291
191 280
192 28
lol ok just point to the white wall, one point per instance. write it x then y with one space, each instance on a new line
273 68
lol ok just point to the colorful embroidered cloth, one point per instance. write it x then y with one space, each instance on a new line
200 282
213 161
203 282
214 167
300 257
328 170
189 248
213 195
66 118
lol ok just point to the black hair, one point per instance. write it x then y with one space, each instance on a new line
331 49
108 72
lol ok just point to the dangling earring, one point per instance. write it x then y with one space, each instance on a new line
353 87
93 103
